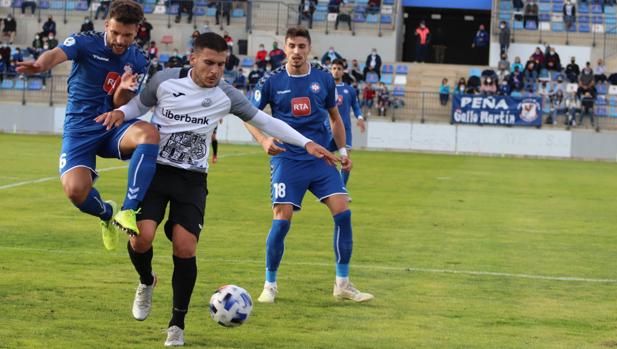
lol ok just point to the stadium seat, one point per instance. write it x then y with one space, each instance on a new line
363 2
211 12
612 112
610 20
388 2
597 20
386 79
319 16
597 9
545 1
148 9
81 6
600 111
584 28
199 11
612 90
557 26
7 84
237 13
518 25
610 11
386 19
402 69
372 19
163 58
602 89
475 72
398 91
247 62
19 84
545 7
70 6
321 7
167 40
358 9
44 5
387 69
583 8
572 28
400 80
172 10
545 17
201 3
16 4
57 5
545 26
372 78
505 6
531 26
583 19
557 8
35 84
505 16
358 18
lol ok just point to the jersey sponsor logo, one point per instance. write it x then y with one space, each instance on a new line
339 100
184 117
315 87
283 92
178 94
68 42
300 106
257 95
111 80
104 59
345 91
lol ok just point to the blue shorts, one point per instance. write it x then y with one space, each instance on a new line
80 150
290 179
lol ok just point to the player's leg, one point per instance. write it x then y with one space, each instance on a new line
330 190
140 142
215 147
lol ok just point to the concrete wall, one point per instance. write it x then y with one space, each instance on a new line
582 53
384 135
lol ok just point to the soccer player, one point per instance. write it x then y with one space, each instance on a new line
104 74
188 105
346 100
304 96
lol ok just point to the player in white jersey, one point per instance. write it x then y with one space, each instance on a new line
188 105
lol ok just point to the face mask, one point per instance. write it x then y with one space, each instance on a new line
87 21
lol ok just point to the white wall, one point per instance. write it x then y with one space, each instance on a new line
582 53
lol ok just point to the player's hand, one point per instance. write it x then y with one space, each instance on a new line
320 152
128 81
28 68
111 119
362 125
345 163
270 147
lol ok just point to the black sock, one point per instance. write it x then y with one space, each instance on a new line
143 264
215 146
182 281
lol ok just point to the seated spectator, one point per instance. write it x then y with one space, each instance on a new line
599 73
185 6
545 91
144 33
531 13
37 46
87 25
355 71
2 70
569 14
103 8
572 71
254 76
553 62
558 85
334 6
18 56
28 3
5 54
516 80
191 41
517 64
444 92
573 107
461 87
52 42
223 7
518 5
488 87
229 40
240 80
586 78
530 75
331 55
587 96
306 10
344 16
373 6
538 58
277 56
261 56
232 62
155 66
49 26
373 64
368 97
8 30
175 60
473 85
557 107
503 67
153 51
11 69
383 99
504 88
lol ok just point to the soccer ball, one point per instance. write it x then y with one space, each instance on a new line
230 306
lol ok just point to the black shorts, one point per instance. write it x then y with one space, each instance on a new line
184 190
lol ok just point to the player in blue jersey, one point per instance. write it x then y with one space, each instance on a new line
304 96
106 70
346 101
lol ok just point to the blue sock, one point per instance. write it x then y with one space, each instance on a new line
275 246
345 176
343 242
141 171
95 206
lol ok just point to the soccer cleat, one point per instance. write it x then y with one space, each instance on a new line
143 300
175 337
268 294
126 221
350 292
108 230
215 159
348 198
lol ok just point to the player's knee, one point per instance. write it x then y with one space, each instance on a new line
147 134
141 243
77 192
185 250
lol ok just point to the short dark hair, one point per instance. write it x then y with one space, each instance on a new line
338 61
210 40
298 31
126 12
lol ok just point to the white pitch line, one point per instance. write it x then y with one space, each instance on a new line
355 266
47 179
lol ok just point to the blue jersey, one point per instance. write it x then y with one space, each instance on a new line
300 101
346 101
96 72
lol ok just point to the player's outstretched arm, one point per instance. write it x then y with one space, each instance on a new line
267 143
338 132
46 61
131 110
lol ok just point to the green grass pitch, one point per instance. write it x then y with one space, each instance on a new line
460 252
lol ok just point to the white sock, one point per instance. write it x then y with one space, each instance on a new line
270 284
342 281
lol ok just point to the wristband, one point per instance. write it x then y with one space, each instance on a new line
360 117
343 151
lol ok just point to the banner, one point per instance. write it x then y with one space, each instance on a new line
496 110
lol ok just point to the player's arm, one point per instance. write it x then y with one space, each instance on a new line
266 142
357 111
46 61
338 133
125 90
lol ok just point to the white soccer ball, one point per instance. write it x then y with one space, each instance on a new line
230 306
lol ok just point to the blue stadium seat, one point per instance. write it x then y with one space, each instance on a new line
572 28
584 28
612 112
544 7
531 26
372 78
387 69
600 111
505 5
359 9
602 89
57 5
583 8
597 9
44 4
70 6
610 20
402 69
321 7
386 79
475 72
81 6
163 58
558 8
545 17
597 20
199 11
201 3
19 84
172 10
610 11
7 84
545 1
16 4
211 12
372 19
363 2
612 100
320 16
358 18
583 19
398 91
150 2
35 84
148 9
237 12
247 62
518 25
386 19
388 2
601 100
557 26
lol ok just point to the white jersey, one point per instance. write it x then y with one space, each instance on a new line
187 114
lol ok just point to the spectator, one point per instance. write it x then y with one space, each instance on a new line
480 43
503 67
444 92
331 54
516 80
439 45
423 38
52 42
517 64
557 107
5 54
240 80
306 10
553 62
373 64
538 58
104 8
18 56
569 14
530 75
599 73
8 32
355 71
186 6
37 46
49 26
277 56
573 71
531 13
334 6
153 51
28 3
368 97
232 62
518 5
586 78
223 7
558 85
261 57
587 96
2 70
573 107
185 58
144 33
229 40
344 16
87 25
461 87
488 87
504 88
254 76
175 60
194 36
155 66
504 37
383 99
373 6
